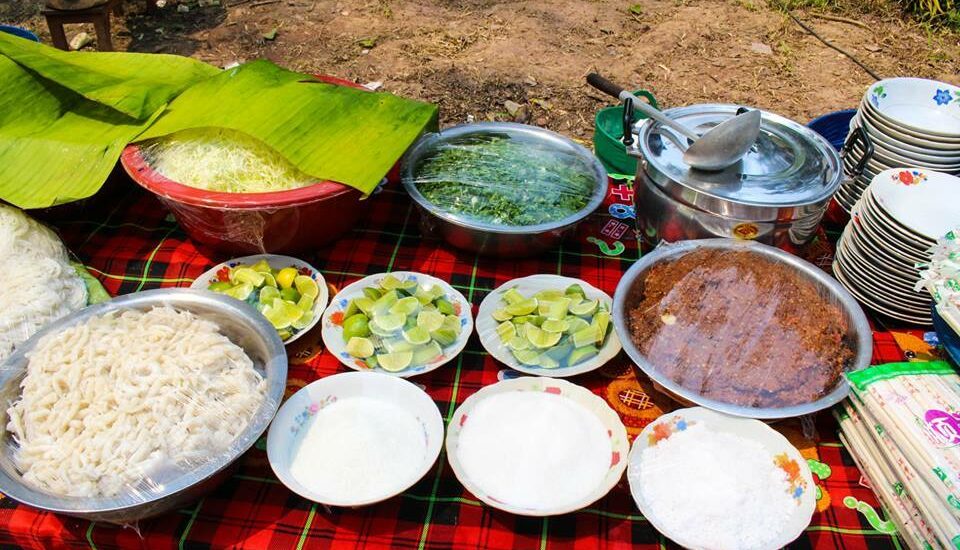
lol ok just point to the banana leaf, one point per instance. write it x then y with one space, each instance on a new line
329 132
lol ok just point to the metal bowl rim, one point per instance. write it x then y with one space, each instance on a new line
428 140
38 498
860 326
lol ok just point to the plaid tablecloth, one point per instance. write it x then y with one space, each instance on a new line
134 245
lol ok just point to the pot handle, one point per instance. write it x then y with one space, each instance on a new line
628 122
858 134
604 85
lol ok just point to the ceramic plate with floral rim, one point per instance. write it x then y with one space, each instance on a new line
401 323
295 416
500 348
782 454
922 105
585 403
297 298
924 201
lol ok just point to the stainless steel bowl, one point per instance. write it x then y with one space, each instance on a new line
241 323
498 240
855 318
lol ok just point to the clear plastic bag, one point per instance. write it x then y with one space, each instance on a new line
941 277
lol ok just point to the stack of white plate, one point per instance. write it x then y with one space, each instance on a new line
892 229
910 122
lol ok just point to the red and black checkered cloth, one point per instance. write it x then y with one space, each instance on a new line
132 244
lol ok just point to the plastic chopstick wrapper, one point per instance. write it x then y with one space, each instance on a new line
941 278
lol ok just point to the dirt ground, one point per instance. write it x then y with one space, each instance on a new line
477 58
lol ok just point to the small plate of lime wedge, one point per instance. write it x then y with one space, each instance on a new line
548 325
400 323
289 292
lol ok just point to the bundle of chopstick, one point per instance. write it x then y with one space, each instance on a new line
902 427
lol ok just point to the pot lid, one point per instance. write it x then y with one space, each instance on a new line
789 165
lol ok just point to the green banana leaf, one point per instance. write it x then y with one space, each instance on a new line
135 84
329 132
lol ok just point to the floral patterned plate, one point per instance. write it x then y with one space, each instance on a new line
333 317
288 427
782 453
924 201
917 104
219 273
590 403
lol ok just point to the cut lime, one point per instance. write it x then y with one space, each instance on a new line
602 321
371 362
426 353
284 333
525 307
547 362
406 306
356 325
444 336
360 347
240 292
305 303
445 307
389 321
394 345
430 320
575 290
518 343
385 302
408 285
220 286
513 296
247 275
306 286
532 319
431 290
548 295
364 304
290 294
527 356
540 338
575 324
557 310
559 352
262 267
553 325
351 310
268 294
586 336
396 361
390 282
580 355
585 308
281 313
452 322
501 315
269 280
506 330
372 292
410 322
417 336
286 276
306 317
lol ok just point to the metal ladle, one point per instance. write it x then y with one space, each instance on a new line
719 147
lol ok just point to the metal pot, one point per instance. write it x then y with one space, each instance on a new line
777 194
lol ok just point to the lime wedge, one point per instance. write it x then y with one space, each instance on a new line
417 336
518 343
501 315
372 293
445 307
559 352
306 317
513 296
364 304
426 353
548 295
268 294
284 333
396 361
547 362
532 319
351 310
240 292
540 338
586 336
527 356
553 325
389 321
444 336
269 280
247 275
575 324
525 307
575 290
430 320
452 322
394 345
602 321
286 276
290 294
556 310
356 325
305 303
360 347
385 302
371 362
431 290
281 313
506 330
408 285
219 286
405 306
306 286
585 308
580 355
390 282
262 267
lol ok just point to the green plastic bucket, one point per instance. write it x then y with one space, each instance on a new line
607 133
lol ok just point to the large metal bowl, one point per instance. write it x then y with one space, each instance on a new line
242 324
857 321
485 238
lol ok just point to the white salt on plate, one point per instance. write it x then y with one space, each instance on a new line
720 490
358 450
534 450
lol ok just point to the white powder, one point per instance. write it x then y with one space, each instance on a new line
359 449
719 490
534 450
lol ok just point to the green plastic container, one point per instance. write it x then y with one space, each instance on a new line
607 133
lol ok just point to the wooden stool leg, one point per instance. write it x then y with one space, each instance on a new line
102 25
56 33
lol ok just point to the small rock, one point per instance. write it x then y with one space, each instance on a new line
231 65
81 40
345 13
364 51
272 35
530 81
761 48
512 107
183 8
373 86
470 119
872 48
161 3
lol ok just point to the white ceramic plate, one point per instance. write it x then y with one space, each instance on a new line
276 262
291 423
802 487
590 403
921 105
893 294
908 149
878 255
332 329
924 201
890 159
871 303
889 226
487 325
905 134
